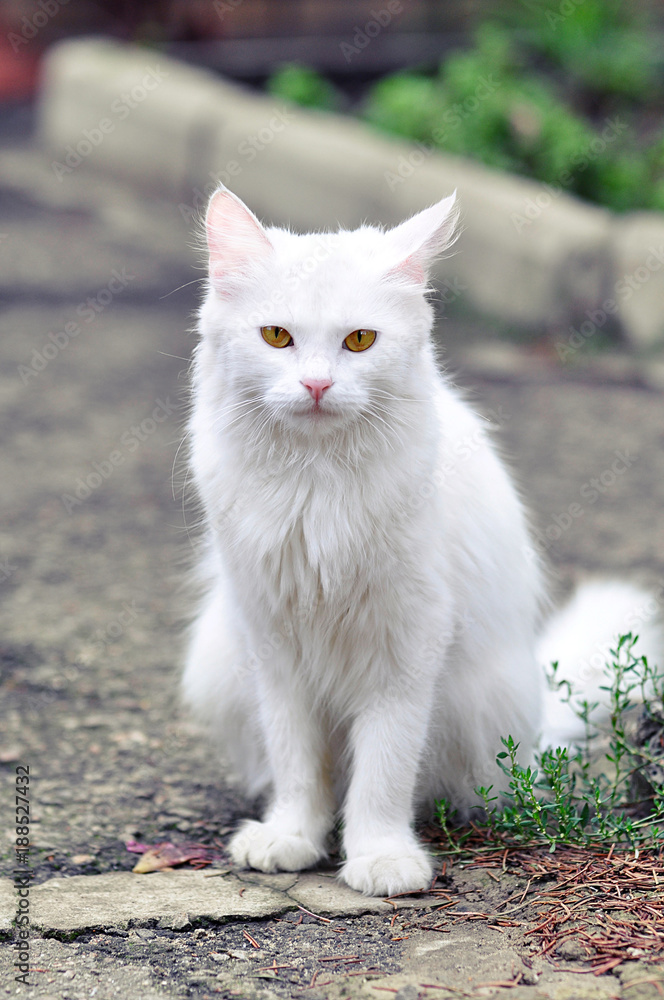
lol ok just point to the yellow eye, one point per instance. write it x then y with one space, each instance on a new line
359 340
276 336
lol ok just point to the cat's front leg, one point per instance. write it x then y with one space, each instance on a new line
383 856
293 832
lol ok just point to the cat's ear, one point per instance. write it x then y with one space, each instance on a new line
235 238
421 239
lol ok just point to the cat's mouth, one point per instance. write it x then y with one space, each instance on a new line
316 412
316 408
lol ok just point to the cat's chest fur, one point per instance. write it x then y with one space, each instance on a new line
314 534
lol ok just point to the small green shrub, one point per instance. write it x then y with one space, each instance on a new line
489 103
566 799
601 45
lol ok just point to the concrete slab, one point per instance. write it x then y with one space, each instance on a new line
327 897
119 899
282 881
324 895
178 899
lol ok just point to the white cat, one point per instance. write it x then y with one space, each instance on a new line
372 595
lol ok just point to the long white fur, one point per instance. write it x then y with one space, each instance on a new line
372 596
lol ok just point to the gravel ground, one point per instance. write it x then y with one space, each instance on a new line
94 546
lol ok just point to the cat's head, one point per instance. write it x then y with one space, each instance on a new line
320 330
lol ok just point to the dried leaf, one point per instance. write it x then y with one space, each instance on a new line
157 857
136 848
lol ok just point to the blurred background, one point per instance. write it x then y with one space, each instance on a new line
559 70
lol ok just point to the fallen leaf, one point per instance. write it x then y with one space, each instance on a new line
157 857
136 848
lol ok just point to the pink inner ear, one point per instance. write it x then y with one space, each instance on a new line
235 237
422 238
410 268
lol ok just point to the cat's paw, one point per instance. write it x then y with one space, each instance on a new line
269 849
402 868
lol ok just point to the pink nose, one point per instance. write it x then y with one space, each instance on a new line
317 387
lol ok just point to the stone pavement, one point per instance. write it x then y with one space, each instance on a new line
179 897
94 546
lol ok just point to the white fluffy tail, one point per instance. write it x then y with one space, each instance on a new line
580 636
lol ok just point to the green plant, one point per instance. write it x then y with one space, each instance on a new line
486 103
568 94
602 45
303 85
567 799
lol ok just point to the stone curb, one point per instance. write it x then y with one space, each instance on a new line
177 899
529 255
